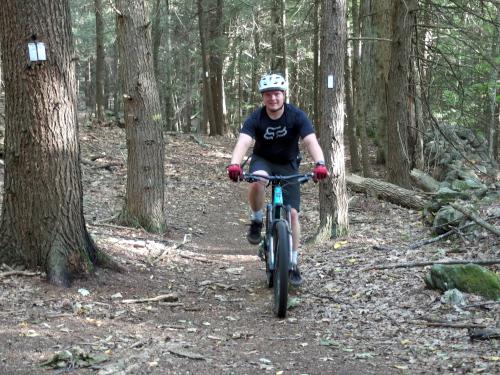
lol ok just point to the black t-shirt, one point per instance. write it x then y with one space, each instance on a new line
277 140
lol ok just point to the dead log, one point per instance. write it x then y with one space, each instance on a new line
386 191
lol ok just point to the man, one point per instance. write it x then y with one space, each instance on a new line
276 128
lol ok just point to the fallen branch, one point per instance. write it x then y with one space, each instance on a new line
18 273
161 298
482 304
423 264
450 325
472 216
418 244
200 142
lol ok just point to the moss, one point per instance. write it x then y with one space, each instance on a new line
469 278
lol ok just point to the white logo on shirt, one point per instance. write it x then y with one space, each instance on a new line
277 132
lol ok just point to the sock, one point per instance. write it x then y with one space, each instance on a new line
295 257
257 216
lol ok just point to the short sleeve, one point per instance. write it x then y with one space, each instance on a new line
306 126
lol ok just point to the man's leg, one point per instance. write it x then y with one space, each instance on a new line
256 200
295 231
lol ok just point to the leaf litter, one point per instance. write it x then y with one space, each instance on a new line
218 316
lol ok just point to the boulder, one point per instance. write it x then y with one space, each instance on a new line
470 278
446 218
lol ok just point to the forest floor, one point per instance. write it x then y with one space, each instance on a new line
215 316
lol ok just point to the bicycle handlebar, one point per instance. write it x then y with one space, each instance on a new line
300 177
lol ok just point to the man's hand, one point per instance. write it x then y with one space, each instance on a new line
235 172
320 172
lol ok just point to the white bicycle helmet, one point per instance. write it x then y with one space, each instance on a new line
272 82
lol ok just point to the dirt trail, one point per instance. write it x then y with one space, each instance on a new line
346 320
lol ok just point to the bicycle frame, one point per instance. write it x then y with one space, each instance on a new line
277 210
278 233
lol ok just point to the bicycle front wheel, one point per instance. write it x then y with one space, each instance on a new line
282 262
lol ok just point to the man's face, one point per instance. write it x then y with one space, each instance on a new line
273 100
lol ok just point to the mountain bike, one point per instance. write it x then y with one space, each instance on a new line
277 243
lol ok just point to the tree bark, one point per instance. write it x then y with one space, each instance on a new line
386 191
278 42
208 109
351 123
100 65
382 57
398 158
144 200
316 72
215 49
42 224
334 221
359 91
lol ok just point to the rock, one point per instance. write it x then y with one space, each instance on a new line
467 184
447 195
446 218
470 278
454 297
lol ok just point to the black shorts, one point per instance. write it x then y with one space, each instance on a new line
291 191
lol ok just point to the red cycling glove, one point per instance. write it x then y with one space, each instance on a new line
320 172
235 172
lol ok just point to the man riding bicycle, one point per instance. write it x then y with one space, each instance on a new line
276 128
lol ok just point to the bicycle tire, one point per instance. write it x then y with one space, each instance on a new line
268 239
280 274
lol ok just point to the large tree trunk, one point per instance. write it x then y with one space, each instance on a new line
382 57
357 86
100 65
351 123
398 158
278 42
144 201
42 224
208 109
316 72
216 63
334 220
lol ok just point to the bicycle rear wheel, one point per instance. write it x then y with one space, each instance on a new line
280 274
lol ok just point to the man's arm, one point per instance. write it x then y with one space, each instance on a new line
240 149
313 147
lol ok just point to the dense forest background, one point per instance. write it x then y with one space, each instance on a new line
452 62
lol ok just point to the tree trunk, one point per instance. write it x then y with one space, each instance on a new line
156 38
493 123
100 64
351 130
398 159
208 109
334 220
216 63
144 201
167 87
278 42
382 57
357 88
255 60
316 72
42 224
386 191
118 77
